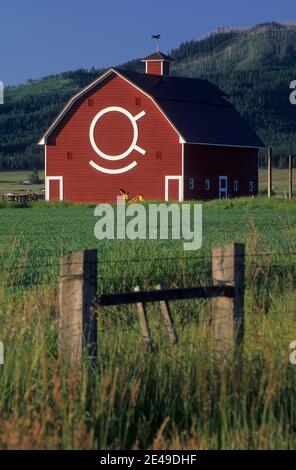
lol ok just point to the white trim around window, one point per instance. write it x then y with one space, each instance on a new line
235 185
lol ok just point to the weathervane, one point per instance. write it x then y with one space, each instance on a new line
157 38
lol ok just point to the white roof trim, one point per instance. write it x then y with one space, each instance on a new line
156 60
227 145
74 98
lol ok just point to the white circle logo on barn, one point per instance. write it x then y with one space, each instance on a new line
131 148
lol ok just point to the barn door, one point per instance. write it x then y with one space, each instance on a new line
222 187
54 188
173 188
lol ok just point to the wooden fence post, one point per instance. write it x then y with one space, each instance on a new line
290 176
168 318
269 172
77 291
228 313
144 322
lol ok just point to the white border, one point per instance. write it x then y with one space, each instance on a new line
45 170
166 190
54 178
155 60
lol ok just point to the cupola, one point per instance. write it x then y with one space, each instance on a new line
157 63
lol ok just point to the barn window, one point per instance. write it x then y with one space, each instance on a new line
158 154
251 186
235 185
69 155
207 184
191 183
138 101
90 101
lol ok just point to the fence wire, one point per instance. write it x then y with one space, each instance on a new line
146 260
131 322
35 277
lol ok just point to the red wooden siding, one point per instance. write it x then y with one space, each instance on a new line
203 162
154 67
113 135
54 190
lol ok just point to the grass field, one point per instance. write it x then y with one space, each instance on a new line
172 398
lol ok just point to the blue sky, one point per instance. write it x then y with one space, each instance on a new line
41 37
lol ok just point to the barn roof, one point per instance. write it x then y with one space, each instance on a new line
196 108
157 56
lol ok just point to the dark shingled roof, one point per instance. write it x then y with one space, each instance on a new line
198 109
157 56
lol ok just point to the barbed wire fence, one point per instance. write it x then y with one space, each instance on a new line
80 302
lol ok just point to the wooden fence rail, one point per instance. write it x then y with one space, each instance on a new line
78 301
184 293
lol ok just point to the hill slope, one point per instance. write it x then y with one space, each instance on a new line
254 66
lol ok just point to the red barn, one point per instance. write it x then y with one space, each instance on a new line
167 138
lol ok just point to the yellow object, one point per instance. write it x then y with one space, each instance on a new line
125 195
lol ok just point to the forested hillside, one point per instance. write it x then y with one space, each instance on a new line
254 66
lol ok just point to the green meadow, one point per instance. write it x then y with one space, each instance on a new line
175 397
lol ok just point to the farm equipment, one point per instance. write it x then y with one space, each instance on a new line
125 195
22 198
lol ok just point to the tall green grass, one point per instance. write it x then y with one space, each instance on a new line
175 397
